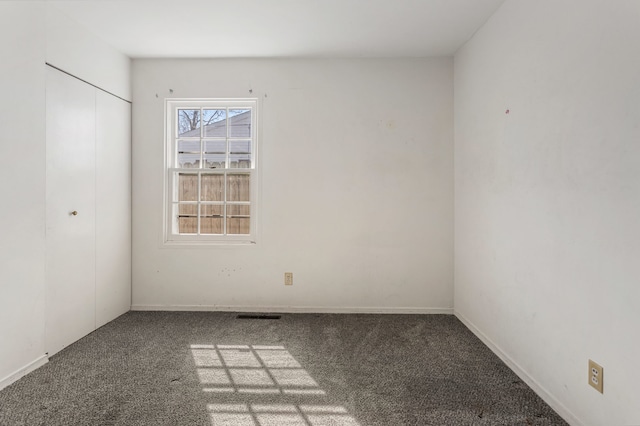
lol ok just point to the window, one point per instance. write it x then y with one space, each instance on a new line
211 148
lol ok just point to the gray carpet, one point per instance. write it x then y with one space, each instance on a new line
179 368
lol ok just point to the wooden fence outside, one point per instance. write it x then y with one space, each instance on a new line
212 203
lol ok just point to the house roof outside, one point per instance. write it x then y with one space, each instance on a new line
239 127
215 150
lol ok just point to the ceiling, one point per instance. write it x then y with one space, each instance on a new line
281 28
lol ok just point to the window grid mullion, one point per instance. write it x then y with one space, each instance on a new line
227 166
200 174
227 156
174 135
201 124
201 139
198 199
224 210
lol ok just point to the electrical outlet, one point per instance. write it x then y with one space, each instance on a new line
288 278
595 375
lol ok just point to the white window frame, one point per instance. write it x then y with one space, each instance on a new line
171 169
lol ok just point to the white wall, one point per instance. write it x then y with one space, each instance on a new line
22 187
356 166
74 49
548 198
32 33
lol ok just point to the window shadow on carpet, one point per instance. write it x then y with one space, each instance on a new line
257 385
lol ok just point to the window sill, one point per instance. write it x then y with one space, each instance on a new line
208 243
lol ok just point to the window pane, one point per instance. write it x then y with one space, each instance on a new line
214 161
211 219
187 225
240 154
188 154
240 161
189 146
188 123
238 219
187 188
215 123
238 187
189 161
239 147
188 210
212 187
215 147
240 123
186 218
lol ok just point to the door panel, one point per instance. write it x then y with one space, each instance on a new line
70 292
113 207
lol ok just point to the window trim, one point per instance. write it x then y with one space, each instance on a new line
172 105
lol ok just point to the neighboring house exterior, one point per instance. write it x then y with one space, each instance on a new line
214 151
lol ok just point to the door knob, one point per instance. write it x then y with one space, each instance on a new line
74 213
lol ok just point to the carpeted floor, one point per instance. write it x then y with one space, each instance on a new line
197 368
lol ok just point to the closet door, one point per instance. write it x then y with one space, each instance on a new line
113 207
70 210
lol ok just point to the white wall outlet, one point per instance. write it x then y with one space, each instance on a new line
288 278
595 375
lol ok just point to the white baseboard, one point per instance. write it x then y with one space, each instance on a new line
16 375
293 309
553 402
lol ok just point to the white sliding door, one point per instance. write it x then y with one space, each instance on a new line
113 207
88 209
70 210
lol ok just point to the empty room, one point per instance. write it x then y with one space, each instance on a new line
320 213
